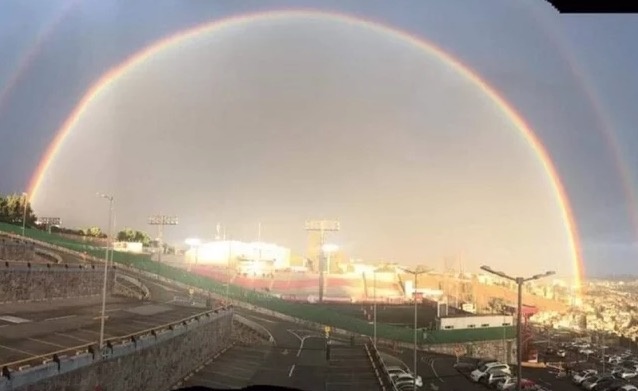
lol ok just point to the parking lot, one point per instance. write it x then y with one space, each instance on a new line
439 374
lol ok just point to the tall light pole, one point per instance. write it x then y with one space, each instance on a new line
106 263
24 213
415 273
161 221
322 226
519 335
374 308
113 228
230 254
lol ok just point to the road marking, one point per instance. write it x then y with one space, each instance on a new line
3 325
73 337
113 310
99 317
18 350
291 370
61 317
95 332
47 343
14 319
434 370
300 340
261 319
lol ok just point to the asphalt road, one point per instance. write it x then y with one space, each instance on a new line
28 330
297 359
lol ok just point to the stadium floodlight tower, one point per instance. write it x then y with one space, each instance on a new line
110 199
161 221
519 336
322 226
416 274
48 222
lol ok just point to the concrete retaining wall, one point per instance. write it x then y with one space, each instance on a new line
12 249
39 282
151 362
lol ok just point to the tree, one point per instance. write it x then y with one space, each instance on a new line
12 210
95 232
130 235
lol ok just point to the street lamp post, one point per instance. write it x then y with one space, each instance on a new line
519 336
106 263
415 273
24 213
374 316
230 255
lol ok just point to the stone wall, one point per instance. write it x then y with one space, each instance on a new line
16 250
152 362
40 282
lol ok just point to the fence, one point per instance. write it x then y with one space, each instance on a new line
306 311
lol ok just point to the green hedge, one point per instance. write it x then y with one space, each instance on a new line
319 314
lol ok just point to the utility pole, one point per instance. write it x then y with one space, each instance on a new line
161 221
25 200
322 226
110 199
415 273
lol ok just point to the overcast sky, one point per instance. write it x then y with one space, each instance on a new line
279 122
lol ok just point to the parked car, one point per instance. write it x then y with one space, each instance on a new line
397 378
581 376
510 384
466 366
615 386
491 378
625 373
592 382
481 371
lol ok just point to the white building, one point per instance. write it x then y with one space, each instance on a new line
222 253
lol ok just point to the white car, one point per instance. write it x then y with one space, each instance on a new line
492 378
397 378
628 387
625 373
584 375
406 382
481 371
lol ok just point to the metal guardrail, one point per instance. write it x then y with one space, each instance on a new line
92 348
375 365
386 381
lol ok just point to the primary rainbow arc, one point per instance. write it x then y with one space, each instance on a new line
510 112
